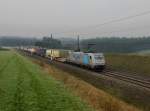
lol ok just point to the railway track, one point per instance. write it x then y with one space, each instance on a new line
133 80
112 74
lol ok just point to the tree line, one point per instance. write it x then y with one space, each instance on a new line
48 42
112 44
45 42
116 44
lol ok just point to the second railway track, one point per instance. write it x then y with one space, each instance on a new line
129 79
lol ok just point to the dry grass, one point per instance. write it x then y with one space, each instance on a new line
98 99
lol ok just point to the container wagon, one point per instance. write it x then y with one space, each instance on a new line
57 54
40 52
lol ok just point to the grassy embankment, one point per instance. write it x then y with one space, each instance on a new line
131 63
97 98
24 87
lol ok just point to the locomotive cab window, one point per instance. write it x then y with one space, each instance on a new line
90 57
98 57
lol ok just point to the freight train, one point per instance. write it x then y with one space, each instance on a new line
95 61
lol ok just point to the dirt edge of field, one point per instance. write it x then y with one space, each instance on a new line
96 98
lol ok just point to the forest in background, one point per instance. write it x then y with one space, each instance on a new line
116 44
105 44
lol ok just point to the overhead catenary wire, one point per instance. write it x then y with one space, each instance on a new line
107 23
117 30
122 19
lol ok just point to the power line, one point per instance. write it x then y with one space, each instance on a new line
123 19
111 21
117 31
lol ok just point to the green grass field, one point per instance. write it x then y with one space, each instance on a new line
131 63
24 87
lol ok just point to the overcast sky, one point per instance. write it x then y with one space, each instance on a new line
42 17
